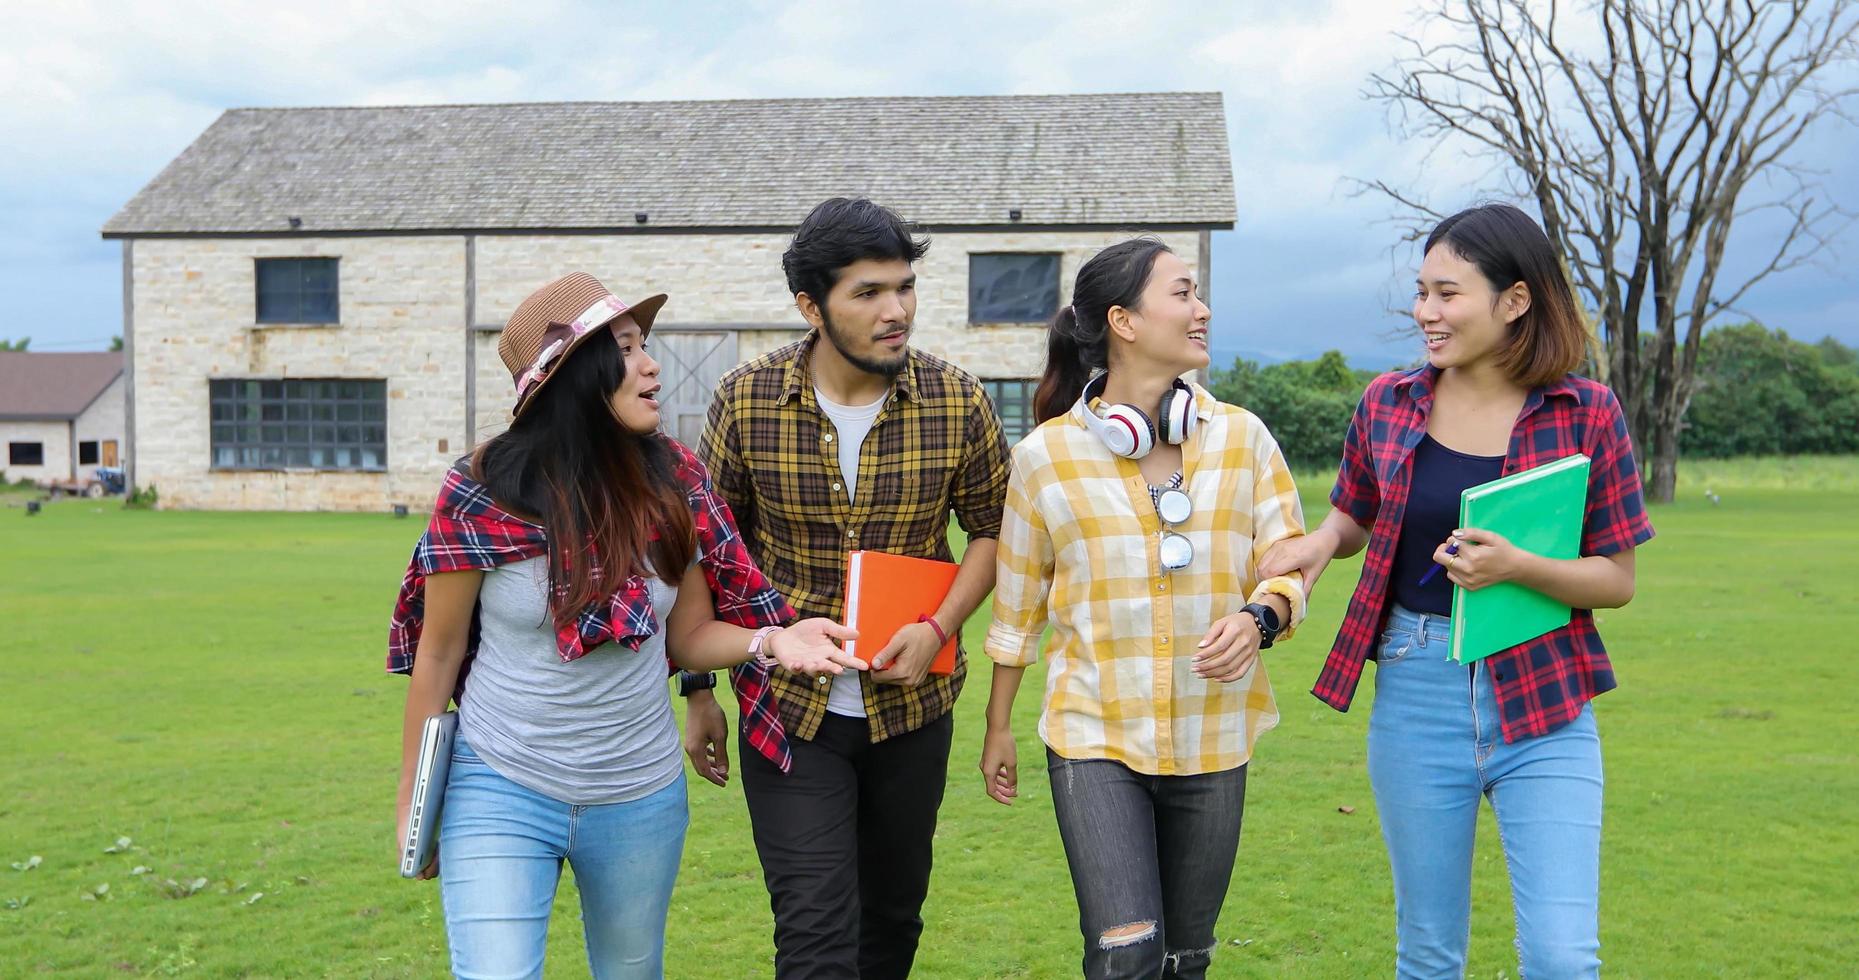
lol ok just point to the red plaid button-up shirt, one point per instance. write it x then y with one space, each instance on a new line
1541 684
469 531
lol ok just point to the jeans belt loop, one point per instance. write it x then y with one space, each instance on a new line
1420 629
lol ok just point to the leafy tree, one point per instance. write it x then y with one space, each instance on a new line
1760 392
1306 404
15 345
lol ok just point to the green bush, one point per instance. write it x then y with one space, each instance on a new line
1306 404
1761 393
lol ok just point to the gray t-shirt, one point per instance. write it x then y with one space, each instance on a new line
595 730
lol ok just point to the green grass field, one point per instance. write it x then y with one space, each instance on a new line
200 752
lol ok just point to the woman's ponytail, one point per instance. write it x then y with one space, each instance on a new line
1066 368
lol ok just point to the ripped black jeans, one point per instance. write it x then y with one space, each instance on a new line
1150 859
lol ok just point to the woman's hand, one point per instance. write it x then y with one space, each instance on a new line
400 842
1309 554
1229 649
807 647
1000 765
1484 558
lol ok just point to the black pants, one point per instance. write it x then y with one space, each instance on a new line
1151 857
844 837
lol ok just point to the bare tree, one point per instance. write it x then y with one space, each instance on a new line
1642 144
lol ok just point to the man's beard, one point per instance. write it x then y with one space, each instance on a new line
886 369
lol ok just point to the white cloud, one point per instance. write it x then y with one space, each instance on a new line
95 97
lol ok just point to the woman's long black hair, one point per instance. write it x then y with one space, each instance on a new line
609 497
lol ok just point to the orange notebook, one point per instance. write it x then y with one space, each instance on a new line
886 592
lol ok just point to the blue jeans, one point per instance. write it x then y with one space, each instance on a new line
1434 747
501 848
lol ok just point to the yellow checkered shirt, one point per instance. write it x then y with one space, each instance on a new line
1078 551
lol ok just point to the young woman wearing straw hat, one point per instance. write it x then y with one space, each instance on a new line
568 559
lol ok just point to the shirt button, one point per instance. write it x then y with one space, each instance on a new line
828 437
852 534
1164 641
1161 586
836 486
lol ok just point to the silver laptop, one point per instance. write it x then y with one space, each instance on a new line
422 840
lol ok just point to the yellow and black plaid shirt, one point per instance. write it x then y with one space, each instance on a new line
935 447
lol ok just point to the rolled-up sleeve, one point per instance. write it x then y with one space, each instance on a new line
1023 573
1616 519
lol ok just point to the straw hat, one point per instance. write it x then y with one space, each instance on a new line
555 320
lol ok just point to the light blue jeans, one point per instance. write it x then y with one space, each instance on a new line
501 848
1434 748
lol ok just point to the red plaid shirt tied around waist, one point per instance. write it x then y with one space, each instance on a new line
469 531
1542 683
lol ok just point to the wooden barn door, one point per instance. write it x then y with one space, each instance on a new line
691 363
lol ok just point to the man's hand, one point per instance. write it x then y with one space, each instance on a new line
706 737
906 659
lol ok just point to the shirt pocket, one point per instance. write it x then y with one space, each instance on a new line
908 491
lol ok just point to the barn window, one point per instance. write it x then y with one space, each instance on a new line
87 453
296 290
1013 402
321 424
1012 287
25 454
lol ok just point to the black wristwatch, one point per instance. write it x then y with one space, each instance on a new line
1267 618
689 681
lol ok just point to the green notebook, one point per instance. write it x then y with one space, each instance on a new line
1541 511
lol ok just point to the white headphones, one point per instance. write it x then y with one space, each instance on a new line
1126 431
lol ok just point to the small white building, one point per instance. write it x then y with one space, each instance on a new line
312 296
61 415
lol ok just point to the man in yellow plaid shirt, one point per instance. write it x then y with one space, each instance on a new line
851 439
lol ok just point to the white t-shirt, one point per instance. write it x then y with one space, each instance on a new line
853 423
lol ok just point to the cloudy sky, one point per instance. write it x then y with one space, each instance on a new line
95 97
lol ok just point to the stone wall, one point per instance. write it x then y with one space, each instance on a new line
403 319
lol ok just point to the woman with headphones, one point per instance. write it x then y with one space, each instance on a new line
1136 514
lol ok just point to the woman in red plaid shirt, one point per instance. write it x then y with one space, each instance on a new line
566 561
1496 395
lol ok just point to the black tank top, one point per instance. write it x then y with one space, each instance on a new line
1432 514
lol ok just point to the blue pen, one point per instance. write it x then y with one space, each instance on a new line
1451 549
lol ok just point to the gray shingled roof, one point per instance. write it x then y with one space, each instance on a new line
53 386
1148 159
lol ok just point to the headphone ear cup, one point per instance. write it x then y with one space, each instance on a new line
1178 414
1128 432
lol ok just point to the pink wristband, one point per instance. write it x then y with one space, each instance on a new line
941 637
